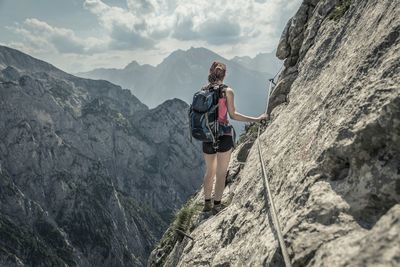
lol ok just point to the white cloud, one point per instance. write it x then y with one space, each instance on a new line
40 37
216 22
149 30
126 29
143 6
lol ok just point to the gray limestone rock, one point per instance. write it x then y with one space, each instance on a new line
283 50
89 175
332 154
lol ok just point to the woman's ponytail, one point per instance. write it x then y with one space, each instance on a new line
217 72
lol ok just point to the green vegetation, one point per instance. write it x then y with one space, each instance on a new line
31 246
61 90
39 244
150 223
340 10
182 218
250 132
183 222
120 119
100 108
90 225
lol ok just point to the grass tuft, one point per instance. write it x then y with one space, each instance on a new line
182 221
340 10
250 131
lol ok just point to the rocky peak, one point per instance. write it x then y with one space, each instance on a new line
192 56
132 66
173 105
24 62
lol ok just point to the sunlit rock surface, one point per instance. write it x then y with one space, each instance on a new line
332 152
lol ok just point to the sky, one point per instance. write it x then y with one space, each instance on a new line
80 35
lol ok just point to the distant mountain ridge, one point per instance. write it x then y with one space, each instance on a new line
264 62
89 175
182 73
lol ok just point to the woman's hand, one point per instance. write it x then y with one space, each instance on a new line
263 118
234 115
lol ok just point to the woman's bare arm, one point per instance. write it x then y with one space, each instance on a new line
233 114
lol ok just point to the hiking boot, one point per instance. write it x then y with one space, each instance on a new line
208 205
218 207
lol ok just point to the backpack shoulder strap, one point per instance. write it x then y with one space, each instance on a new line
222 89
205 87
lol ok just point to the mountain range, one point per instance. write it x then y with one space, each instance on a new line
89 175
182 73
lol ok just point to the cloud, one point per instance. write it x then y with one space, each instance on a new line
41 37
220 31
213 31
230 28
207 21
184 29
64 40
126 29
215 22
123 38
142 6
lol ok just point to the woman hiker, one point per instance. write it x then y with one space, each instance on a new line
217 161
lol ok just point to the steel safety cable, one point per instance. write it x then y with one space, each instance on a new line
266 185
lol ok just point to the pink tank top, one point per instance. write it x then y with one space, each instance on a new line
223 114
222 111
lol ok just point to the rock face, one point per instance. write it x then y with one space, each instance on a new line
332 152
89 176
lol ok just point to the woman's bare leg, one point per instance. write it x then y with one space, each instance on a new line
211 166
222 167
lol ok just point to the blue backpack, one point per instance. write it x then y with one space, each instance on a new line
203 114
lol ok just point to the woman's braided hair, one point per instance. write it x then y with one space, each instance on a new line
217 72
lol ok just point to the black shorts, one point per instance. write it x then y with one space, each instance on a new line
225 143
